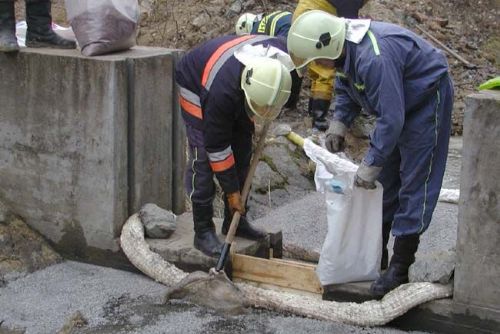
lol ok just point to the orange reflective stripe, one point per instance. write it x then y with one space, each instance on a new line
218 53
220 166
190 108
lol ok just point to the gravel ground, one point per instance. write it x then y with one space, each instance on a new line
114 301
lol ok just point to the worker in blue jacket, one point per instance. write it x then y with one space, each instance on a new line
221 96
392 73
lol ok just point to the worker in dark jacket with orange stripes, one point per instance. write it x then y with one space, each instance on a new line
220 98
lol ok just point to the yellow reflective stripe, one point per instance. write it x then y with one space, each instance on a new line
359 87
274 22
374 43
422 225
341 75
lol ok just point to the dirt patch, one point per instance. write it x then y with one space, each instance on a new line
22 250
467 26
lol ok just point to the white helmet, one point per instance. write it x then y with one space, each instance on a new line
316 34
267 85
245 23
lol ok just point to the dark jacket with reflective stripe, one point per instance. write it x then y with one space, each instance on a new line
274 24
223 106
389 74
347 8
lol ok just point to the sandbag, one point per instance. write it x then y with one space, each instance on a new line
352 248
103 26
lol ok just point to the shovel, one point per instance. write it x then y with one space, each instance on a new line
244 194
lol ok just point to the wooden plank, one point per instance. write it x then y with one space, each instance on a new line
287 274
297 263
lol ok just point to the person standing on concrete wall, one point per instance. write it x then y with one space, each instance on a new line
220 96
39 33
322 75
403 80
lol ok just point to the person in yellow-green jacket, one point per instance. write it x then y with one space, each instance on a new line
322 76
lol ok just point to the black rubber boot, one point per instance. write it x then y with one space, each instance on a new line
245 229
8 40
318 110
40 33
386 231
205 238
404 255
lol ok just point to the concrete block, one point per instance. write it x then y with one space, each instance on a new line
178 249
478 255
85 141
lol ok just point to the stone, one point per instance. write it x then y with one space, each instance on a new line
158 223
236 7
179 250
201 20
478 254
290 164
436 267
266 179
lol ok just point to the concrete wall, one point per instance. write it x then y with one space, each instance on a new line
84 142
477 274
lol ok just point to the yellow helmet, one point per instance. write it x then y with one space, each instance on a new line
316 34
245 23
267 85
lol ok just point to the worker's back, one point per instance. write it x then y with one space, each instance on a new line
275 24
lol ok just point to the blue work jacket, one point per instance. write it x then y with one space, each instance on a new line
389 74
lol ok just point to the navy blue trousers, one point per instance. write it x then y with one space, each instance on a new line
413 174
199 177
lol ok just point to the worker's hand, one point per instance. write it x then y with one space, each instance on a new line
366 175
235 204
334 140
359 182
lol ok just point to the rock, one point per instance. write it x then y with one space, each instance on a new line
292 165
158 223
437 267
236 7
201 20
266 179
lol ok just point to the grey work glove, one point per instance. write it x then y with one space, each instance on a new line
334 139
366 176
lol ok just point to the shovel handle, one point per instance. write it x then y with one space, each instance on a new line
244 194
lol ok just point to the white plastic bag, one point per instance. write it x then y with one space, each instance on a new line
352 248
103 26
